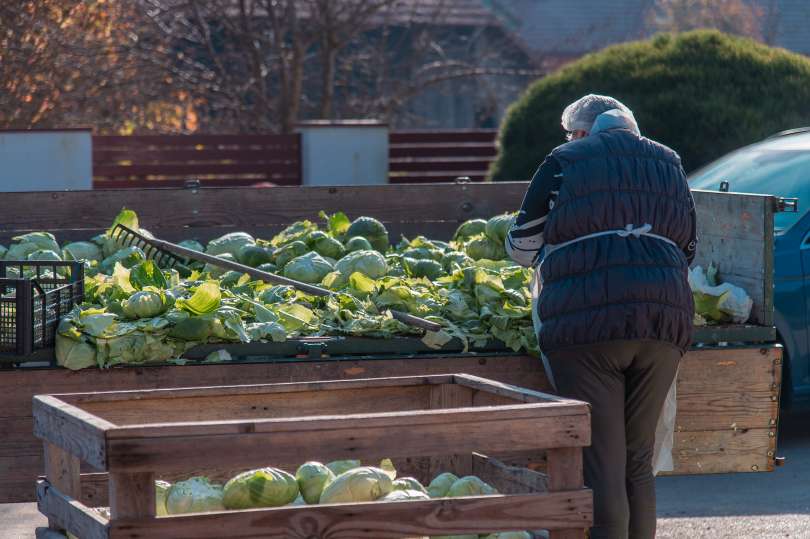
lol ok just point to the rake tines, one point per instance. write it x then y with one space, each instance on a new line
126 237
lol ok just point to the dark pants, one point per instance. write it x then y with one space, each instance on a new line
626 383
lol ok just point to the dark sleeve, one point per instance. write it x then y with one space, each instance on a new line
525 239
690 249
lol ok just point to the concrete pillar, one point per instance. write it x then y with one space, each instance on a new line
353 152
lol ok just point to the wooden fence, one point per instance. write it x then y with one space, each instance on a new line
440 156
214 160
241 160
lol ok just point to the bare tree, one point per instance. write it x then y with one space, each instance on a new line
69 62
742 17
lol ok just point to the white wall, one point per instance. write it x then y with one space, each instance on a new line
344 153
48 160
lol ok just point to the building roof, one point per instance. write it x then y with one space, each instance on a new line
447 12
572 27
569 28
792 24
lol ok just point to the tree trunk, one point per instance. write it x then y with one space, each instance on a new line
329 57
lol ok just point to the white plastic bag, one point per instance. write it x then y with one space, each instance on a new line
665 433
733 301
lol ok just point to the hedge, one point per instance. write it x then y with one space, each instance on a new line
703 93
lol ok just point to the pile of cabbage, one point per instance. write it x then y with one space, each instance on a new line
136 312
344 481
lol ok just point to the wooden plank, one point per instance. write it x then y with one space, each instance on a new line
62 470
162 209
516 393
132 495
718 411
723 451
95 489
449 396
395 438
428 177
128 141
163 183
175 155
287 388
417 418
255 406
443 150
375 520
69 513
71 429
565 474
441 164
433 137
508 479
728 369
203 169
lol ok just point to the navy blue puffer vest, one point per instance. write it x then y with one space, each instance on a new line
615 288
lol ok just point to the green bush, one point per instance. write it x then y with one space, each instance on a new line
703 93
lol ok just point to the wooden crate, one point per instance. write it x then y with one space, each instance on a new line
139 436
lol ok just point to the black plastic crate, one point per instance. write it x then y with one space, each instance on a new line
34 295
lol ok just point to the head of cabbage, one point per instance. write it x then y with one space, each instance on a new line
312 477
370 263
194 495
498 227
358 243
470 228
290 251
364 484
339 466
470 485
483 247
508 535
372 230
409 483
161 493
404 495
308 268
441 484
81 250
265 487
229 243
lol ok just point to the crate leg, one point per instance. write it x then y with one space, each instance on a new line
62 471
450 396
565 473
132 495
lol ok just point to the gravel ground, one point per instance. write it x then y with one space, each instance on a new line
739 506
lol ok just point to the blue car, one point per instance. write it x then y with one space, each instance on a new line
780 166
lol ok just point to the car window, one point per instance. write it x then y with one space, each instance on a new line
762 169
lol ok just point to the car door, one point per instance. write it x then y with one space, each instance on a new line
792 300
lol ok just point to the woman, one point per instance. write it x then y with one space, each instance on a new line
610 220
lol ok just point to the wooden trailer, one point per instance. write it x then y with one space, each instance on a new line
728 385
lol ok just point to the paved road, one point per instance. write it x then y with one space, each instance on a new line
739 506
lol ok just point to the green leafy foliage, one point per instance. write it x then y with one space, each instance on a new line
703 93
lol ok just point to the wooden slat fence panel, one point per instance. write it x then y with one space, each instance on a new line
441 156
215 160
